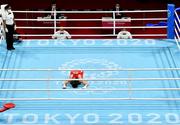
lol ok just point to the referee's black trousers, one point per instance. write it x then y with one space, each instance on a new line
9 36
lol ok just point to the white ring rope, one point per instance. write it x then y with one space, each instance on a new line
97 79
81 12
71 12
113 69
89 99
135 19
149 34
127 27
115 89
92 35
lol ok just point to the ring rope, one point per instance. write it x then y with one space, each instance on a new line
93 35
112 12
102 79
132 19
113 69
127 27
133 11
89 99
116 89
99 79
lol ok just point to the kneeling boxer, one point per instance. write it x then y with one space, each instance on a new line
76 74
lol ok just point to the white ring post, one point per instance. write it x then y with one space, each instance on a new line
114 23
55 21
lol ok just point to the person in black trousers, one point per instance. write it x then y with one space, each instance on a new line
9 26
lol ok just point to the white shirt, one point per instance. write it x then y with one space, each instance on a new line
8 17
61 35
124 35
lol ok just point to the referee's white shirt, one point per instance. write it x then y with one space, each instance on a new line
8 17
61 35
124 35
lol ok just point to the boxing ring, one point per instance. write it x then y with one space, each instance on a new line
133 81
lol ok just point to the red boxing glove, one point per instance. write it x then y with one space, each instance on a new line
7 106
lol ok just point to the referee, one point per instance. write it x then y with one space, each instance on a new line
9 26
